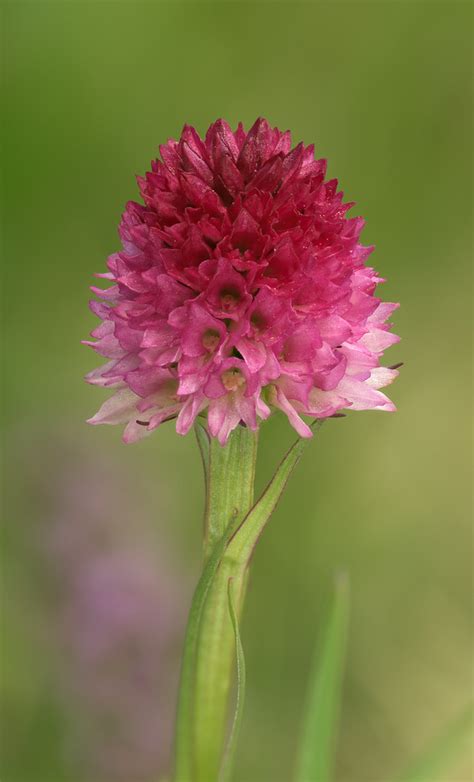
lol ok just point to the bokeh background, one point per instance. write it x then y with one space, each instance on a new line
102 541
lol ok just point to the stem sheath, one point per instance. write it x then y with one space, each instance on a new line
209 648
233 525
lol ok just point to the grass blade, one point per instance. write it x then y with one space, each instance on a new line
443 753
316 753
240 697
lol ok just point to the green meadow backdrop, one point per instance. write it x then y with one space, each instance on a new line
91 89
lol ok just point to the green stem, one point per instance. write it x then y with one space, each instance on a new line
209 646
230 497
230 484
233 525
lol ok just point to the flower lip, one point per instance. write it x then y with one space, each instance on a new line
241 278
211 339
258 321
227 295
232 379
230 298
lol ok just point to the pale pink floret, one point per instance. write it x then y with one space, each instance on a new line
241 287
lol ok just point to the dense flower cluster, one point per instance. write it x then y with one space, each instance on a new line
241 287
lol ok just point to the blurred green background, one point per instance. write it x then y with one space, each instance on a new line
91 89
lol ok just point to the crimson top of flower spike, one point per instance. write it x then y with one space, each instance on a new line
241 286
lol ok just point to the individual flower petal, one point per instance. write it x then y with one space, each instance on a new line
279 400
118 409
363 396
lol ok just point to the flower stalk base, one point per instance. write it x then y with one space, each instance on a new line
233 527
230 478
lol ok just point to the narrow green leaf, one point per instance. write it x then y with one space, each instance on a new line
228 759
242 543
443 753
184 746
316 752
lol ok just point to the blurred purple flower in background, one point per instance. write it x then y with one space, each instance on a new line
118 621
